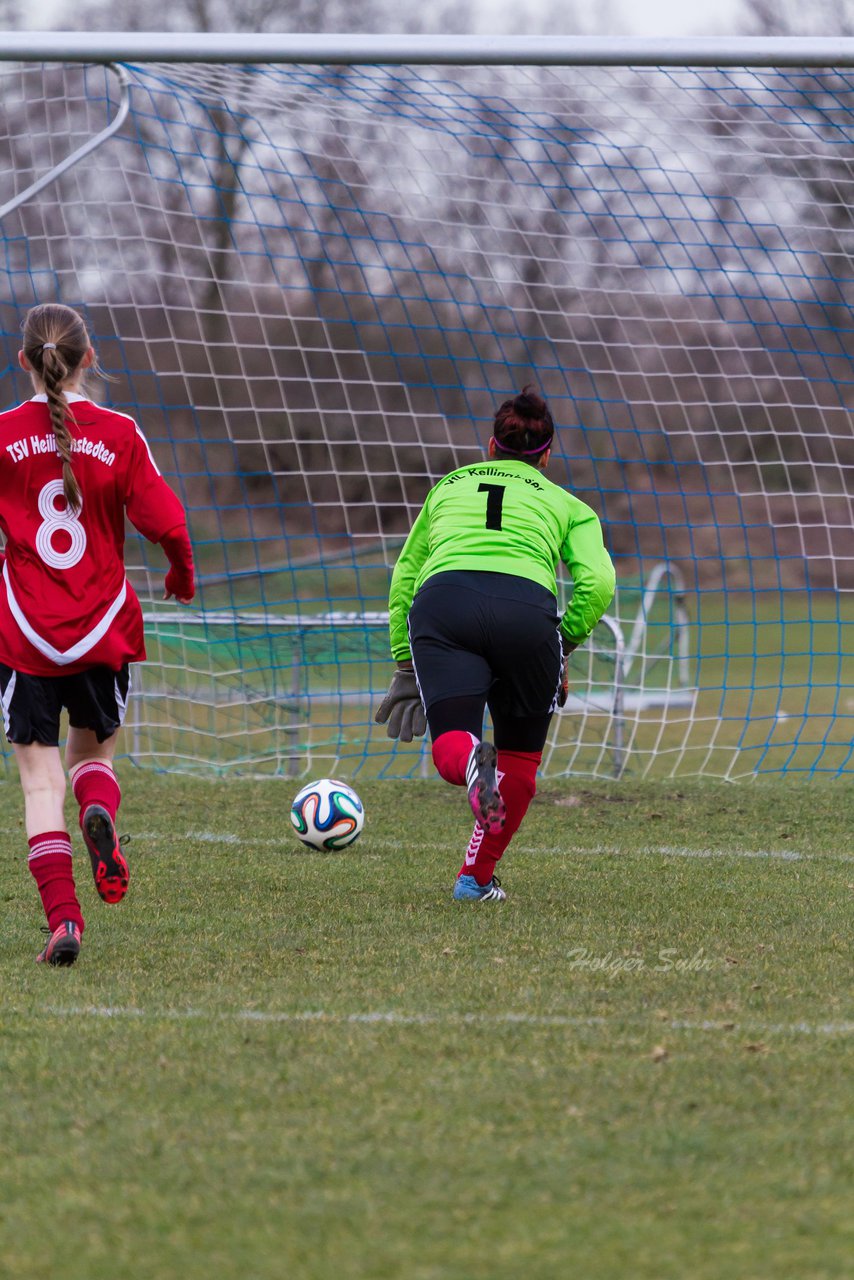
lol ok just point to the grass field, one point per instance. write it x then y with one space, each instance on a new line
270 1063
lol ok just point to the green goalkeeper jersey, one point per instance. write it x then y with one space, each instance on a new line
505 517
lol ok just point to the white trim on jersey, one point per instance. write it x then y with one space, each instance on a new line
74 397
7 700
82 646
147 447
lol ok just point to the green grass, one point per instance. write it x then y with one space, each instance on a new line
547 1096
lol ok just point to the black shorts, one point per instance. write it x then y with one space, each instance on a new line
487 635
95 699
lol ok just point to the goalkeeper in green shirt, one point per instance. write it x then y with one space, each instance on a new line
474 623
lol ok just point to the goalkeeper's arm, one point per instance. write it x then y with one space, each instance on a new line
406 571
583 552
401 708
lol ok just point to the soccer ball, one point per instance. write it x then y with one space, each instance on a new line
327 814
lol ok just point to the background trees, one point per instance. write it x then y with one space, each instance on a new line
319 281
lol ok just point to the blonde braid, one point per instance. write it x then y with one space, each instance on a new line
55 343
54 371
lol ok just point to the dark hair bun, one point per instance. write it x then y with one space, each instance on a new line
529 405
524 425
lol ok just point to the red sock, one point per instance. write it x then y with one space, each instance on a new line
517 782
95 783
50 863
451 753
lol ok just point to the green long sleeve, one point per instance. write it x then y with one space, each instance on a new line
505 517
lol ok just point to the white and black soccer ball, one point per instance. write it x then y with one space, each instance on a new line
327 814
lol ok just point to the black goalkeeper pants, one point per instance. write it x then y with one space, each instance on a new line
487 639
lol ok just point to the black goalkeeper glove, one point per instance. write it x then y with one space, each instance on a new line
566 648
402 708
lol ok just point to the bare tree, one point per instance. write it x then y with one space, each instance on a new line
793 18
264 16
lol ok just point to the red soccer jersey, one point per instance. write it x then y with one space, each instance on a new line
65 603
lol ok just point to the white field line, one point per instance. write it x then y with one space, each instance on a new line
594 850
395 1018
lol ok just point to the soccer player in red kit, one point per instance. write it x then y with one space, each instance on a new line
70 622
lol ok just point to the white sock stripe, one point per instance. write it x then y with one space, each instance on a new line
50 846
95 766
474 844
471 764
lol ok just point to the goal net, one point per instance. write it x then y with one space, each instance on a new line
313 285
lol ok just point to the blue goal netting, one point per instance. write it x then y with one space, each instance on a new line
314 285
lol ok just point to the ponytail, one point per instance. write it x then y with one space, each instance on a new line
54 373
55 342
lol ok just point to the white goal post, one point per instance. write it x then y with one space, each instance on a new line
315 264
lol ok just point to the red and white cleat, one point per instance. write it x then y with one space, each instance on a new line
63 945
109 866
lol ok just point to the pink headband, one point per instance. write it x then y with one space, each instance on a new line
524 453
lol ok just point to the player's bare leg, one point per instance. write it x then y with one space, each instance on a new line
96 790
43 783
49 861
83 746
